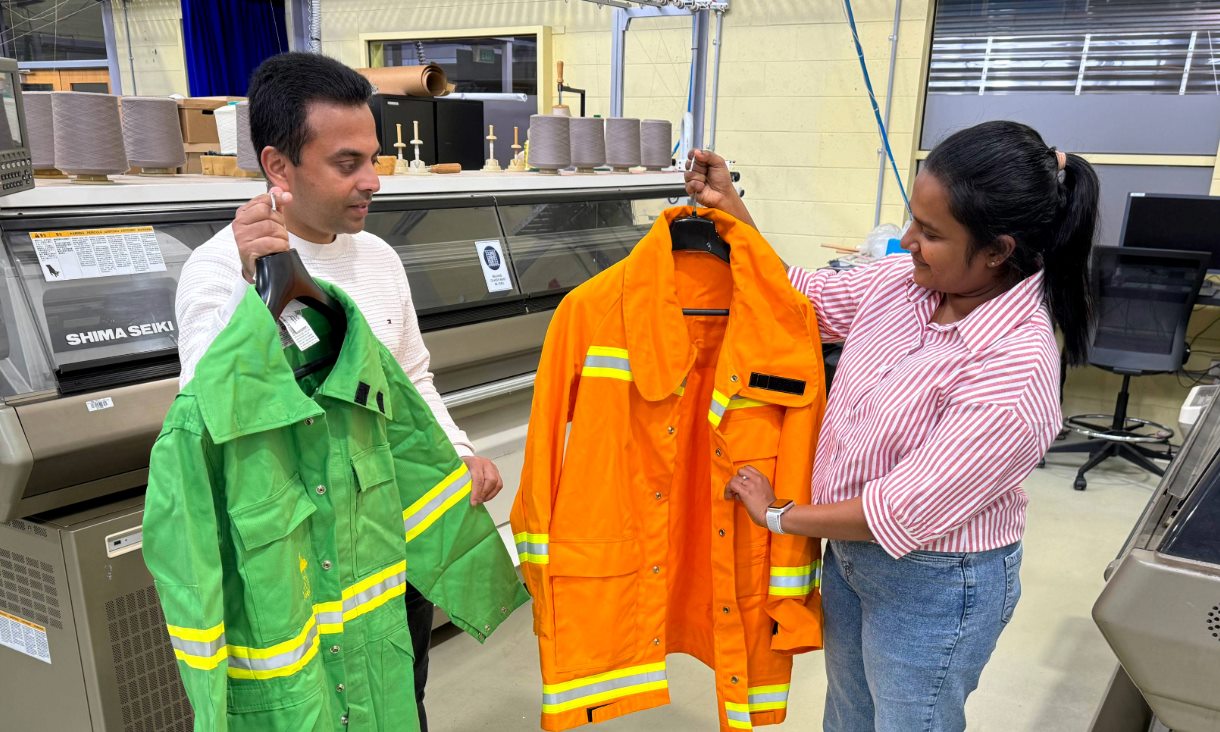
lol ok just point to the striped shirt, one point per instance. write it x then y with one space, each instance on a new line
366 267
936 426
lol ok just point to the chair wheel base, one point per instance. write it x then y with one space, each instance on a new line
1080 483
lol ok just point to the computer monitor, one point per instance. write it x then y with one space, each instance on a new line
1173 221
16 172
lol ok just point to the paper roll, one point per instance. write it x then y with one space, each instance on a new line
415 81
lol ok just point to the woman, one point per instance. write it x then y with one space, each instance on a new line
945 399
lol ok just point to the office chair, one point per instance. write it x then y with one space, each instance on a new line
1144 298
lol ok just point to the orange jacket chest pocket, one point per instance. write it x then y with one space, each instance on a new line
752 434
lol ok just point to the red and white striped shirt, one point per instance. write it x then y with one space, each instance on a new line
935 425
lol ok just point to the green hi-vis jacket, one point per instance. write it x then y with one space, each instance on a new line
284 518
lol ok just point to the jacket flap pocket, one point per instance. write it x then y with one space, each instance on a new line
753 436
373 466
274 517
594 558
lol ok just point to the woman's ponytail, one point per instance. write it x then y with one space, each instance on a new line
1066 261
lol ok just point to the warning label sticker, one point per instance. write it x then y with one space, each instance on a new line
24 637
87 253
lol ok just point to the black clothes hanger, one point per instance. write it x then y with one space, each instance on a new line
281 278
696 234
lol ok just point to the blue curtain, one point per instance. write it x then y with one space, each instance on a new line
226 40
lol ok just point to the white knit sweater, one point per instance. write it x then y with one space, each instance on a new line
367 269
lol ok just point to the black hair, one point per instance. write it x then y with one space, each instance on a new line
1002 180
283 87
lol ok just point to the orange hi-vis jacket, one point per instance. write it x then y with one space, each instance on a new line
626 539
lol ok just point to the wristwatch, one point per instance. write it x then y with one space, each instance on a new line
775 514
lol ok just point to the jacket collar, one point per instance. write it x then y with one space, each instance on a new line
770 332
244 382
995 318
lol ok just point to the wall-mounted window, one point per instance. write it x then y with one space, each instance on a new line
1075 47
60 44
1134 85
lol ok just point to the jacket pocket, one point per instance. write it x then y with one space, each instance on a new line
595 592
377 519
753 440
1012 583
274 562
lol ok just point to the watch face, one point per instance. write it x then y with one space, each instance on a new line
780 503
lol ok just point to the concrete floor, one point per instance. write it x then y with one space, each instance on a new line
1047 674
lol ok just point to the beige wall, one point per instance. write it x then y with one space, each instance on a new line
156 47
793 112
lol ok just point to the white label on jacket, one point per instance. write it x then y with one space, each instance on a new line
495 269
88 253
24 637
298 330
97 405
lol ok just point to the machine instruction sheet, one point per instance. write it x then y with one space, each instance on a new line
24 637
89 253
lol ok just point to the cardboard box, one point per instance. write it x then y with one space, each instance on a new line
194 155
198 122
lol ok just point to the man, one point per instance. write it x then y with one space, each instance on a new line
309 117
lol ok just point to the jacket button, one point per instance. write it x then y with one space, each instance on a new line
671 429
724 610
321 490
504 611
718 453
733 377
486 628
343 720
340 688
326 564
657 495
656 641
733 680
722 532
309 421
656 570
335 649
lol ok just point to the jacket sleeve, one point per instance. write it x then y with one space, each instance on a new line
793 596
554 399
182 551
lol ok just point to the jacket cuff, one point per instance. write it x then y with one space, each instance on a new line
889 532
799 625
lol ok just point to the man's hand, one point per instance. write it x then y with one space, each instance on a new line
754 491
259 229
709 181
485 480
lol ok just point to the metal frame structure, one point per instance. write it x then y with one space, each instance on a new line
700 10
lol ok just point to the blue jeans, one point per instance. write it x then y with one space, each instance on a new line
906 639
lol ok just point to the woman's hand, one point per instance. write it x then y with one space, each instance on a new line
709 182
754 491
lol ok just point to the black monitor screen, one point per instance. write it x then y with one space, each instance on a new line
10 125
1164 221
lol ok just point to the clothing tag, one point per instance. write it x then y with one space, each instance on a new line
495 269
297 327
